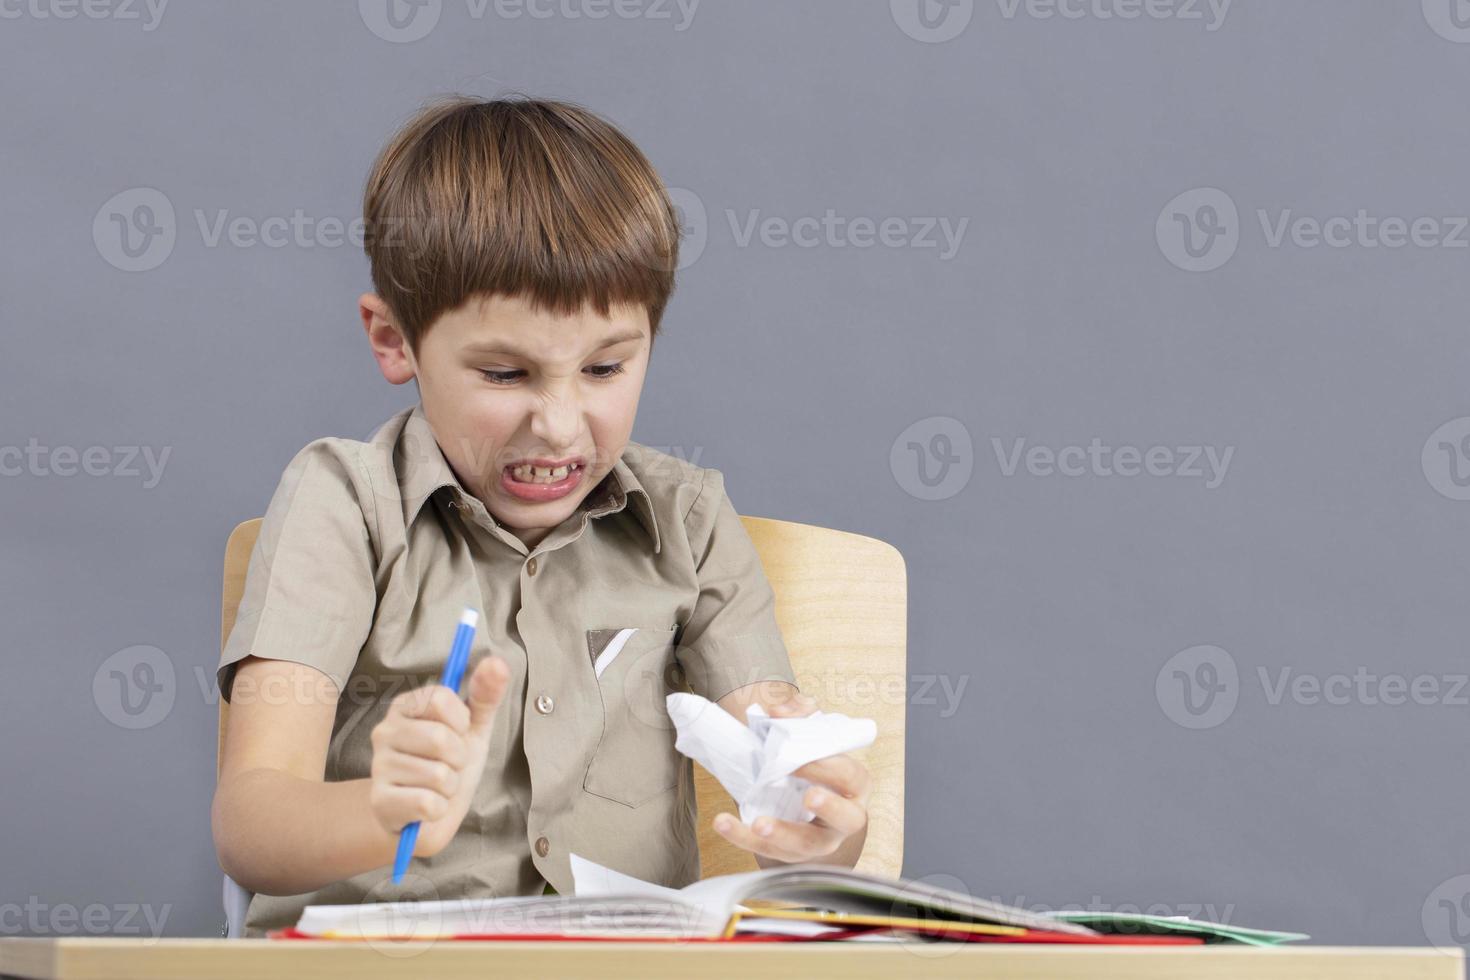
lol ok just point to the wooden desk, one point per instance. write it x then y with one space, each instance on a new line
100 958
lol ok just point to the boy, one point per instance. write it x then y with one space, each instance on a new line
522 253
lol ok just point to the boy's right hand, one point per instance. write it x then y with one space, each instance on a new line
428 753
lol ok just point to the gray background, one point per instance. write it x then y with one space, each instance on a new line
1068 773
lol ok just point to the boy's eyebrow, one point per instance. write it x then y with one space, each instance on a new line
501 347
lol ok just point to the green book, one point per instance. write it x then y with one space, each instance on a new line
1135 923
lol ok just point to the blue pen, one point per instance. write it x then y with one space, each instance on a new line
459 655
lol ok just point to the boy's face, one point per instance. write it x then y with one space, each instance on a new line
502 384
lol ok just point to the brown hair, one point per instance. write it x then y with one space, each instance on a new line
521 197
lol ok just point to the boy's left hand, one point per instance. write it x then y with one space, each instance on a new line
838 797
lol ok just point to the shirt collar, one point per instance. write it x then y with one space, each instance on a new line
423 472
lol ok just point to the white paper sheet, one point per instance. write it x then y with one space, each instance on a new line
713 897
754 763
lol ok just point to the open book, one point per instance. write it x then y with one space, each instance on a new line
803 901
610 904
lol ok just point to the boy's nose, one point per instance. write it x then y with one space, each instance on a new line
556 424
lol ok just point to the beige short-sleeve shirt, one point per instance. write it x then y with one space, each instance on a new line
370 551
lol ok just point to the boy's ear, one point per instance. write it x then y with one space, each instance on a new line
394 358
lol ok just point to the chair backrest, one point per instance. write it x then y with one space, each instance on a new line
841 603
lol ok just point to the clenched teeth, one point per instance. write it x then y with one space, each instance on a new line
540 474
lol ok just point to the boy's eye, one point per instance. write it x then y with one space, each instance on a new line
599 371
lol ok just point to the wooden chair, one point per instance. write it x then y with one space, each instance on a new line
841 603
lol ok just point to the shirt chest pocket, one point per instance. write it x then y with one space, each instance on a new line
635 759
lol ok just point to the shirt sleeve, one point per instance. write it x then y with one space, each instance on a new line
309 590
731 638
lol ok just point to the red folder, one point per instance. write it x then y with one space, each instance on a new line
1030 936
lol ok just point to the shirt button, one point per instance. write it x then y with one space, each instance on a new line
543 846
531 567
544 704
